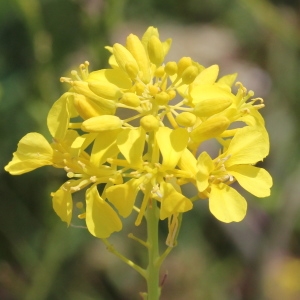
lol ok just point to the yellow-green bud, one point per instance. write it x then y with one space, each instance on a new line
87 108
186 119
183 63
136 48
132 70
171 68
106 90
172 94
81 87
153 89
209 107
155 50
125 60
130 99
159 72
162 98
139 88
189 74
149 123
101 123
210 128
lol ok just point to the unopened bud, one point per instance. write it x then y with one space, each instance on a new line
136 48
125 60
106 90
87 108
101 123
210 128
210 107
171 68
149 123
162 98
155 50
183 63
186 119
189 74
130 99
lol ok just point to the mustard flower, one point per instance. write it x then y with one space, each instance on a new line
215 177
136 127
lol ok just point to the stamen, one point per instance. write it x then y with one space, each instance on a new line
173 226
93 178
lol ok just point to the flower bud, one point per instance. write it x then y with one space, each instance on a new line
155 50
101 123
171 68
162 98
136 48
125 60
186 119
159 72
130 99
189 74
210 128
149 123
183 63
87 108
209 107
81 87
106 90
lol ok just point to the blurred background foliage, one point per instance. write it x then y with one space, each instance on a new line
42 40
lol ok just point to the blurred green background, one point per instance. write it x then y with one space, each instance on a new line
42 40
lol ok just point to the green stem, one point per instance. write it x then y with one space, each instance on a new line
153 286
130 263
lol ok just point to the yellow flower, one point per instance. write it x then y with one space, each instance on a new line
33 152
214 177
153 178
136 127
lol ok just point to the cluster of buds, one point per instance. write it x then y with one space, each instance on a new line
130 135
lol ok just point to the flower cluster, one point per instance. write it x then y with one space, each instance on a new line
130 135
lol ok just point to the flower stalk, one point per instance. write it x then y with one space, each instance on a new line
152 278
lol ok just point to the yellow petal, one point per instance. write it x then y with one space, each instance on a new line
188 162
131 143
208 75
113 76
172 201
205 166
123 196
248 146
33 152
226 204
227 81
101 219
104 147
256 181
171 144
59 116
82 142
63 204
207 92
